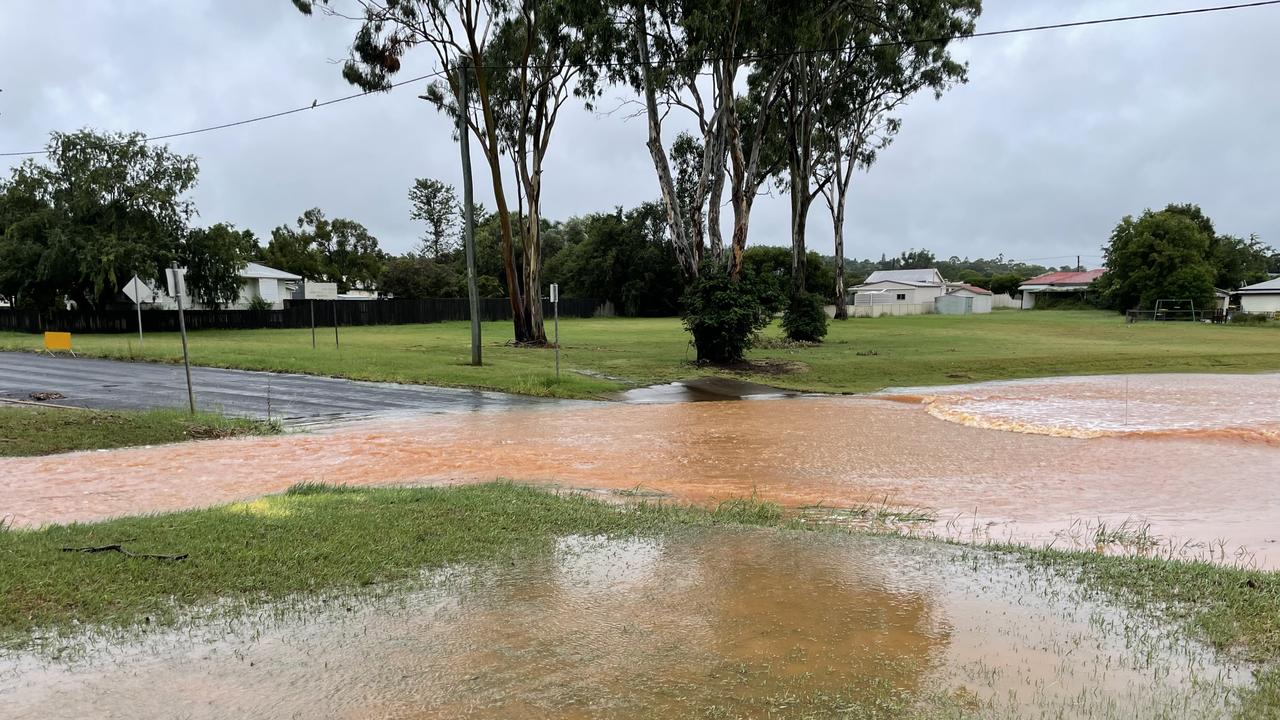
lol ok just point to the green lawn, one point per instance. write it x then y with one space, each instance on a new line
26 430
858 356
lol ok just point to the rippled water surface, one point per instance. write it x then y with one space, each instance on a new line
1192 456
724 624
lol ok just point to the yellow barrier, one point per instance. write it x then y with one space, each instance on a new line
58 341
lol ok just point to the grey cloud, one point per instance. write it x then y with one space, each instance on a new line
1056 136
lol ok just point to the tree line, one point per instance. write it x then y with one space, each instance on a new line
800 96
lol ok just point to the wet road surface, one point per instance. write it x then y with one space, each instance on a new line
295 399
714 624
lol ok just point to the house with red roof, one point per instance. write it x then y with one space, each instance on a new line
1057 283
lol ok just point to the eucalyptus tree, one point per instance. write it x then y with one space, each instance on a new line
435 203
697 56
885 58
520 60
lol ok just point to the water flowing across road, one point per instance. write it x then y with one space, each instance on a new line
1193 458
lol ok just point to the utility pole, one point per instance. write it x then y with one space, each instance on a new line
180 285
468 214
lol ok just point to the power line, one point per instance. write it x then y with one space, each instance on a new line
890 43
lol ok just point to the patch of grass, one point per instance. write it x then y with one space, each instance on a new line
26 430
309 539
604 355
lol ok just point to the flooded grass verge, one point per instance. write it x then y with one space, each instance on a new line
27 430
558 605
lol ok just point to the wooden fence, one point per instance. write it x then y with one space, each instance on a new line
296 314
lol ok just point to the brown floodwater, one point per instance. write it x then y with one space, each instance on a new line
1194 457
699 624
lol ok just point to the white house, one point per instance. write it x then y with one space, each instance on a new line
1057 283
257 281
896 292
1263 297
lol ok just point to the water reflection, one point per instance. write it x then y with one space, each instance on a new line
746 624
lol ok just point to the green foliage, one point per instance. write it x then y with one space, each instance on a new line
722 314
416 276
1238 262
625 258
436 204
1159 255
100 208
767 268
214 258
805 319
259 304
321 250
1006 283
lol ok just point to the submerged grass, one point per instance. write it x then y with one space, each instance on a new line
27 430
317 538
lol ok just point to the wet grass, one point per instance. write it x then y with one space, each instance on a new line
27 430
311 538
600 356
317 539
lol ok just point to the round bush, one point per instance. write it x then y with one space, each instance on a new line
805 319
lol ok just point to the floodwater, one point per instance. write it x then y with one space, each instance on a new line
704 624
1192 459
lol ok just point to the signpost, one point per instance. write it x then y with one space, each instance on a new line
555 305
321 291
137 302
177 287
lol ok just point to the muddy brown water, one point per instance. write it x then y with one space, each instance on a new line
704 624
1195 457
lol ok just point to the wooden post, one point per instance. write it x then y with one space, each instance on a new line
179 283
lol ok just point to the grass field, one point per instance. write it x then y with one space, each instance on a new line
314 539
26 430
600 356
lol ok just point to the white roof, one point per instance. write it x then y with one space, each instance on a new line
1268 287
254 270
908 277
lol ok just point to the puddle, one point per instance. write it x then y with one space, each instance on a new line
726 624
1192 489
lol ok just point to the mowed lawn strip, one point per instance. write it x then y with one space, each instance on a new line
28 430
601 356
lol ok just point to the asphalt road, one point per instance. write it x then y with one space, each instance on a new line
298 400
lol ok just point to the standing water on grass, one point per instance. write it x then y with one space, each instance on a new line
1174 464
698 624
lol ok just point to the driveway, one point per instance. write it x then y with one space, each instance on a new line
298 400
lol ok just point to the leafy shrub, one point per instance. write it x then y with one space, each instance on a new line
805 319
259 304
722 315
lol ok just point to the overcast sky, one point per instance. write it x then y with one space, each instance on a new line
1056 136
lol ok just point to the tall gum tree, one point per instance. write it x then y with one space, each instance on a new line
523 60
888 52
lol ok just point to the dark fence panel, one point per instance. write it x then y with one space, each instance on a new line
296 314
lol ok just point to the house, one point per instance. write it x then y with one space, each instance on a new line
896 292
1263 297
257 281
964 299
1057 283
